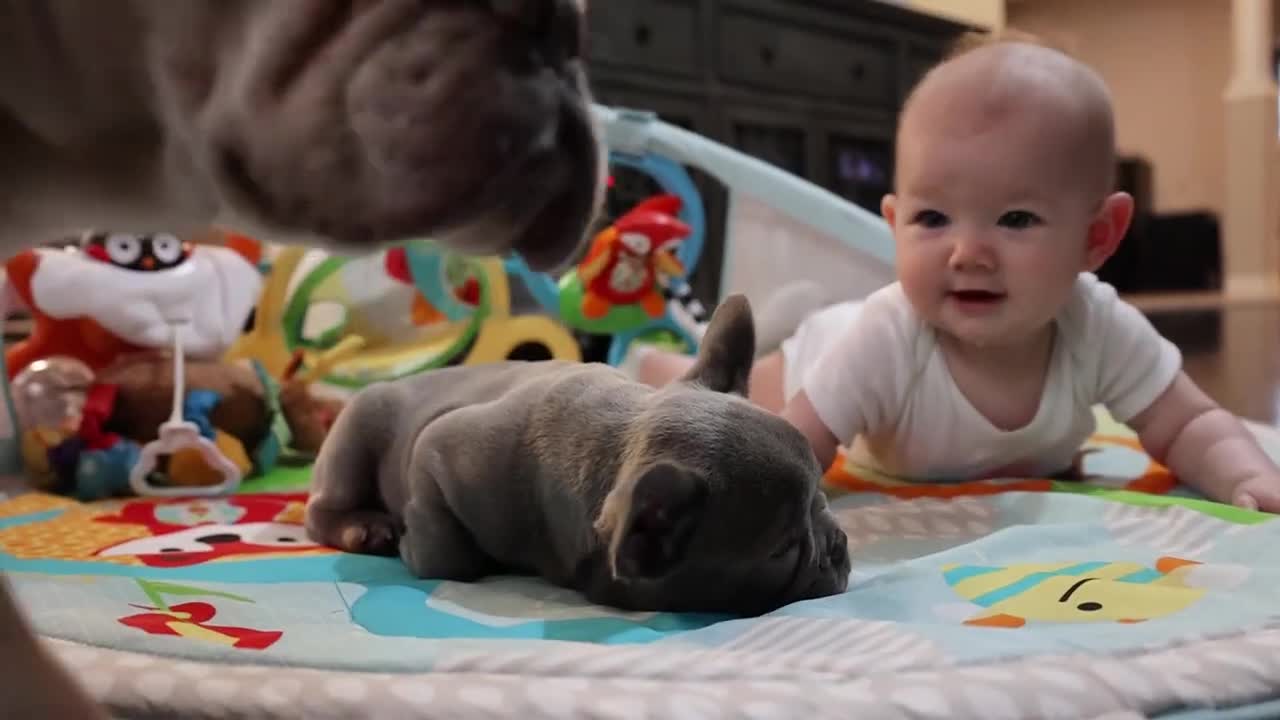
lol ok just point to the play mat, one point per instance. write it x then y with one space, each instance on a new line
1013 599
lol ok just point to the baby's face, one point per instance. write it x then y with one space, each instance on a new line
991 219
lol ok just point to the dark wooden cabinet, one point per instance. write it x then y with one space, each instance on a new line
812 86
658 36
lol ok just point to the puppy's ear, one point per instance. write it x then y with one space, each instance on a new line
728 348
649 535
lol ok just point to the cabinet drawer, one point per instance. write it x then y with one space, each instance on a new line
768 54
654 35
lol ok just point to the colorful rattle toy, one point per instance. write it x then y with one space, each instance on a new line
177 434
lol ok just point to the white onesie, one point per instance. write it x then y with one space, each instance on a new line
874 364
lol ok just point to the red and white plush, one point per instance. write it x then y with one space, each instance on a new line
92 306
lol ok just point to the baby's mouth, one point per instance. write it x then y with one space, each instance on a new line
976 296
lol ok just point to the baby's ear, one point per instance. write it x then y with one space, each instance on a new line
728 349
889 209
1108 229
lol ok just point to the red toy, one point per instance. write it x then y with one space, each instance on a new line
626 259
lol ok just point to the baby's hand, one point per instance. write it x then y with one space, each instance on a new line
1260 492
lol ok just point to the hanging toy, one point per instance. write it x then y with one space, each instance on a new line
627 259
619 285
49 397
50 393
178 434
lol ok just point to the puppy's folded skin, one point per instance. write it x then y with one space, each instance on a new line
687 498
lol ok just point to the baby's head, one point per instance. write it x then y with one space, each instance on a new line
1003 190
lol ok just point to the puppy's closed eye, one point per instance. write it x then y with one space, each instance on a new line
785 548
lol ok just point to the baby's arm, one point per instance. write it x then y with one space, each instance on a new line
849 387
1208 448
801 413
1141 381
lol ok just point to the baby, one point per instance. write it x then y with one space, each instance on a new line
986 356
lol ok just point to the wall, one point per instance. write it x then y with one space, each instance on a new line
982 13
1167 63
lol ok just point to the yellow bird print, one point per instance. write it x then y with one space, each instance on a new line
1075 592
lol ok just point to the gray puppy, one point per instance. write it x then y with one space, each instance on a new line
686 498
341 123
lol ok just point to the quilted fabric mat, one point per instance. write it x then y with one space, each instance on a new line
1023 597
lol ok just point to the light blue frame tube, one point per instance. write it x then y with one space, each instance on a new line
641 133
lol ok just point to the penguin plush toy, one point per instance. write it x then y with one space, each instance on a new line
145 253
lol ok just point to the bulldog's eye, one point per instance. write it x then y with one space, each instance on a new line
166 248
123 249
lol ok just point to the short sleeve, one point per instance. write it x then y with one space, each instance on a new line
1136 363
854 382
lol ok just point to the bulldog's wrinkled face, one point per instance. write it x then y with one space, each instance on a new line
367 121
720 508
744 528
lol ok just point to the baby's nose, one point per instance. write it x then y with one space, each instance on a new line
971 252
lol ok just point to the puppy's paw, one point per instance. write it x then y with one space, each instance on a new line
369 533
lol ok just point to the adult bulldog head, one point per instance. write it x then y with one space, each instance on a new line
347 123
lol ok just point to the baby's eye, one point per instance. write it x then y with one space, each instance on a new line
929 219
1019 219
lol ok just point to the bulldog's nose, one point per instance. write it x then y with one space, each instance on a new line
837 550
554 26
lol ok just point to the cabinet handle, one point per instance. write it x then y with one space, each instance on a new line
858 71
643 34
766 55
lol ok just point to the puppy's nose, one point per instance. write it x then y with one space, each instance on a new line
554 26
837 548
